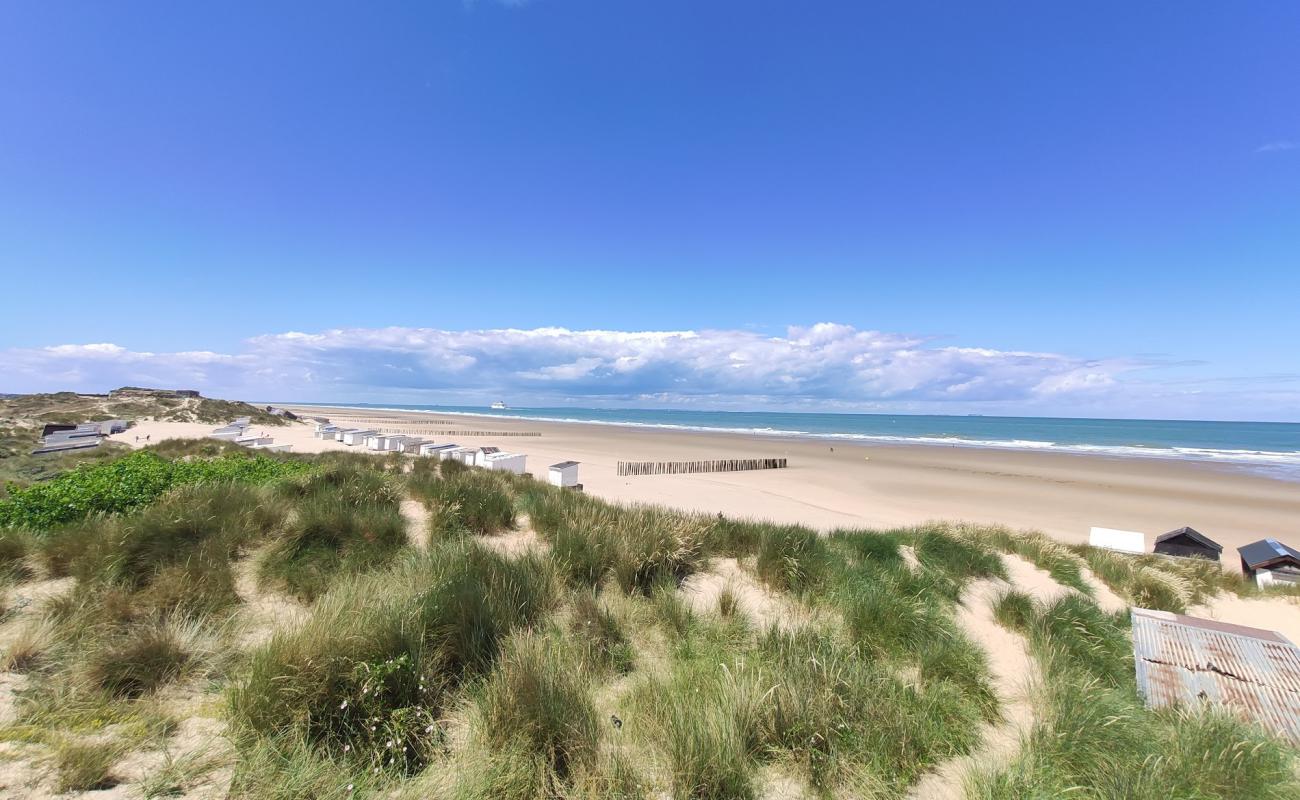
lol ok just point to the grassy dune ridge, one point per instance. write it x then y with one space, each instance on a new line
545 643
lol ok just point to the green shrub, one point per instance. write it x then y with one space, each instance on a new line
128 483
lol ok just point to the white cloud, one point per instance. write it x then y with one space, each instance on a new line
1278 146
824 366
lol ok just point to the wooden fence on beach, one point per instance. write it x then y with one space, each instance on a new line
691 467
381 420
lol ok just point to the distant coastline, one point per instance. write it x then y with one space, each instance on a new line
1271 448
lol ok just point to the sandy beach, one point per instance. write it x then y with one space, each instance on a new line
829 486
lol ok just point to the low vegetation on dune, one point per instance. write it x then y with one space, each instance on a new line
1094 737
332 652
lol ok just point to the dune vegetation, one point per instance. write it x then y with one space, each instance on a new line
196 622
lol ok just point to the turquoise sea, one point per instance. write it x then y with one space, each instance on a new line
1269 447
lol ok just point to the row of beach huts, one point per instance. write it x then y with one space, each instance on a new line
1267 561
564 474
239 433
60 438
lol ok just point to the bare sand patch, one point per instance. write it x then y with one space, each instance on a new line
1013 671
1106 598
1281 613
702 591
417 523
262 613
515 543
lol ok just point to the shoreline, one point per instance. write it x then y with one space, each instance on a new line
882 486
1277 465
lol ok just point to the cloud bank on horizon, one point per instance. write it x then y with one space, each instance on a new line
825 366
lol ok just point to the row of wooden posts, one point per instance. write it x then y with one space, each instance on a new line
688 467
374 420
444 433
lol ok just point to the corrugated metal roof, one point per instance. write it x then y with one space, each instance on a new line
1250 672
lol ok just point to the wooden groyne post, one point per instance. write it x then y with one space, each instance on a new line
693 467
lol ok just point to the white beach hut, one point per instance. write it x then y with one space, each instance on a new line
357 436
254 441
394 442
464 455
412 445
506 462
438 451
375 441
274 448
1114 539
564 473
482 454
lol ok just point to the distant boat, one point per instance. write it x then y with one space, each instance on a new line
499 405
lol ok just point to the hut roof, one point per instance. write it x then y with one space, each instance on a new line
489 450
1194 535
1267 551
1251 672
564 465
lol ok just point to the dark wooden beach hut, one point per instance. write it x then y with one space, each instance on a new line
1188 542
1269 555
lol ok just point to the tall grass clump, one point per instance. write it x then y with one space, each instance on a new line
375 661
476 502
603 642
535 701
892 613
328 537
1047 554
173 557
791 558
839 717
959 558
1014 610
17 546
1149 581
638 547
875 547
653 545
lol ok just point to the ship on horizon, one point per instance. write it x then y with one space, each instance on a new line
499 405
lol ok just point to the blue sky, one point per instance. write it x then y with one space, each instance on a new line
1021 207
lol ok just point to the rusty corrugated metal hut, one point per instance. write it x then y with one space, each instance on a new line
1251 673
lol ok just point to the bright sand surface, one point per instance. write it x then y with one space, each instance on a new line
831 485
